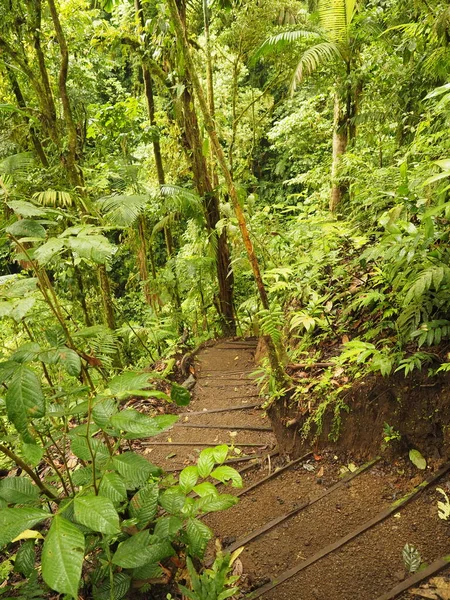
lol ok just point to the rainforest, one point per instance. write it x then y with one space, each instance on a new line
224 299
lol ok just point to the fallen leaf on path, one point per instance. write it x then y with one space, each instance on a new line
423 594
238 568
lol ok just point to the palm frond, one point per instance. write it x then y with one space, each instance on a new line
181 200
313 58
166 221
57 198
281 41
17 164
335 17
123 210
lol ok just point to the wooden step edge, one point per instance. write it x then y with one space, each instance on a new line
432 569
227 427
380 517
220 410
275 522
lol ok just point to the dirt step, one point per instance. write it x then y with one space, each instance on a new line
321 524
233 419
372 563
272 499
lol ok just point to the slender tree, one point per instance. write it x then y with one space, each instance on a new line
210 127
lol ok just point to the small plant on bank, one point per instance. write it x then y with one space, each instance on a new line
390 435
411 558
217 583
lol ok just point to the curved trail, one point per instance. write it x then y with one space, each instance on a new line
309 534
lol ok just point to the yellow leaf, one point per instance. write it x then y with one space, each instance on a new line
29 534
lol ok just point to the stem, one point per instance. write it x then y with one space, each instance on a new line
20 463
52 463
89 445
64 458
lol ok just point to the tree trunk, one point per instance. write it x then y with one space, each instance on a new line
22 104
340 140
71 158
194 148
277 369
192 142
105 291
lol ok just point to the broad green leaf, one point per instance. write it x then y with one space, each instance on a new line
147 571
173 500
97 513
80 448
7 370
25 559
188 479
206 489
212 503
103 411
16 286
144 504
25 209
167 527
220 453
21 308
137 425
198 536
417 459
32 454
121 585
225 473
26 353
45 253
129 553
24 398
62 557
92 247
15 520
18 490
70 361
26 228
82 476
113 487
122 384
180 395
205 463
135 469
140 549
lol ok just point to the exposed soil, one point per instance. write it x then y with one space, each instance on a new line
327 506
418 407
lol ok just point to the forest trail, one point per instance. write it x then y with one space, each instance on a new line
310 531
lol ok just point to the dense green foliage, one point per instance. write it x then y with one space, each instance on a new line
139 142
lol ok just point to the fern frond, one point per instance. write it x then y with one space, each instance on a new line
123 210
313 58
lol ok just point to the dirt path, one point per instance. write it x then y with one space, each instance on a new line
310 532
